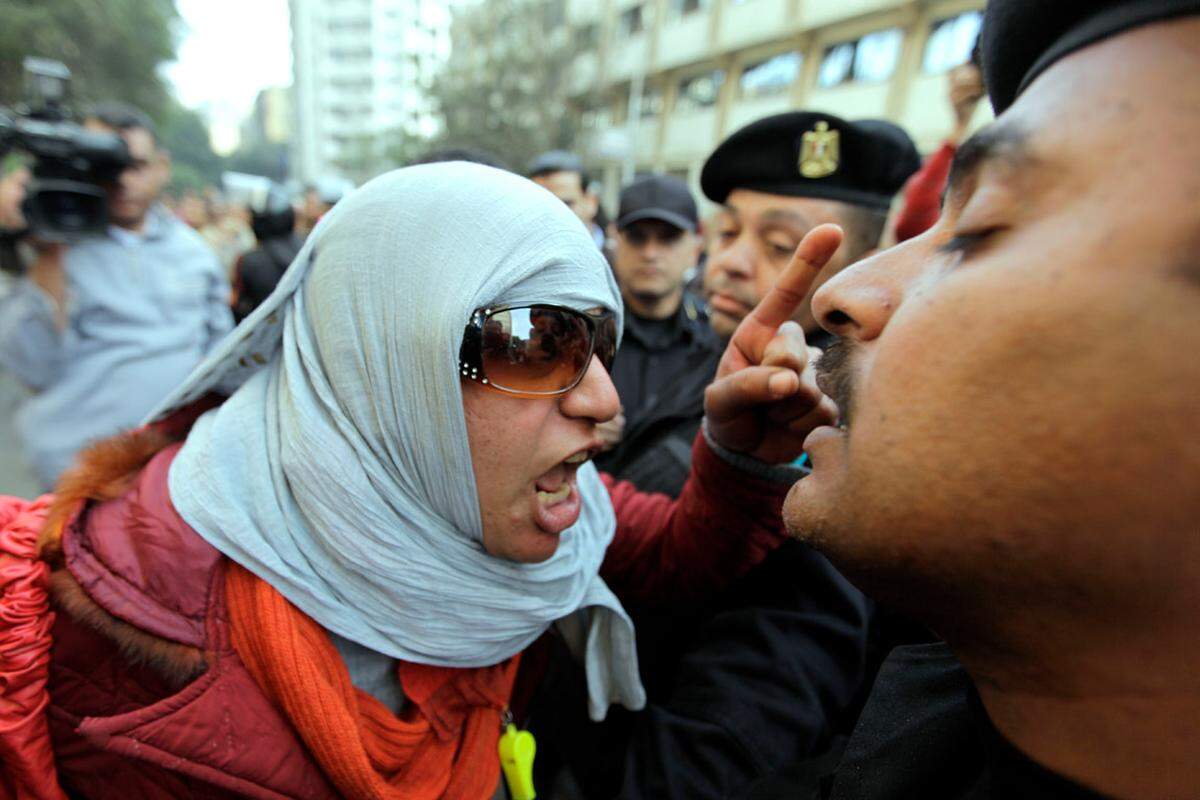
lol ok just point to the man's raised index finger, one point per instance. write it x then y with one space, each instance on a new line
813 252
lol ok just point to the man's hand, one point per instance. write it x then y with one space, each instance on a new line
47 271
765 399
966 89
12 193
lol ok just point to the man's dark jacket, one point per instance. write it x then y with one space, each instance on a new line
768 670
924 734
660 373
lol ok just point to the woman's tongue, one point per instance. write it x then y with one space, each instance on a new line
554 486
556 503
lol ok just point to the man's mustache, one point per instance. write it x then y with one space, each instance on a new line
718 287
836 378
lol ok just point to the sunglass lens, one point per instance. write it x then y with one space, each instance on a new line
536 350
606 340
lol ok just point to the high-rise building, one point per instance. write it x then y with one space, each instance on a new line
659 83
271 119
361 69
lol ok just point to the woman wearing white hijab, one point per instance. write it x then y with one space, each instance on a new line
325 588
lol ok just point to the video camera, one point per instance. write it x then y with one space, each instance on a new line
65 197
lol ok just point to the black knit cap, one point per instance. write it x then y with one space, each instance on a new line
813 154
1020 39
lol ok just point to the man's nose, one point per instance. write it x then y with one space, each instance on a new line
652 249
595 397
126 177
736 260
858 302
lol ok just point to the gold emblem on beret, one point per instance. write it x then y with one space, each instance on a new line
819 151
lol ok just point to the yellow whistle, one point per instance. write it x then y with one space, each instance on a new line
517 749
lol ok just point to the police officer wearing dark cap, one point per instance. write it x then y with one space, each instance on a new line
781 176
668 352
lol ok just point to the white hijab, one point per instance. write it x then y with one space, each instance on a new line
340 472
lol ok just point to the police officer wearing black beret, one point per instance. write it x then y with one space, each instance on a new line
781 176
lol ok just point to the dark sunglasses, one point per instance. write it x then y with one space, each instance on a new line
535 350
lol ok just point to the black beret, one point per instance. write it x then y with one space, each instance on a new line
1021 38
812 154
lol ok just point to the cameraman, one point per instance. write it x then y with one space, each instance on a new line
103 328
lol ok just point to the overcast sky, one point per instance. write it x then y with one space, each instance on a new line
228 51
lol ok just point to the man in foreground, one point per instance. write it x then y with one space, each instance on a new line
102 329
1017 462
668 352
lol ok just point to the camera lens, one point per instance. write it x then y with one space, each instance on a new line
67 209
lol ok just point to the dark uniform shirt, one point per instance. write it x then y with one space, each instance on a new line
923 733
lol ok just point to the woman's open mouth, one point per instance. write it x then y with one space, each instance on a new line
556 501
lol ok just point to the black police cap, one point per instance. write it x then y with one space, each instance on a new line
660 197
812 154
1020 39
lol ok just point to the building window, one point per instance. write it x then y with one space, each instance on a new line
598 114
553 16
682 8
354 54
869 59
835 67
699 91
652 101
772 76
950 41
350 26
631 22
587 37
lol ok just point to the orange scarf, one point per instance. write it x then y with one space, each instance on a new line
442 746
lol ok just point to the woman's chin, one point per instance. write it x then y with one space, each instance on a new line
527 544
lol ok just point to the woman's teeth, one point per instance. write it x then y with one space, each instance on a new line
578 458
557 496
